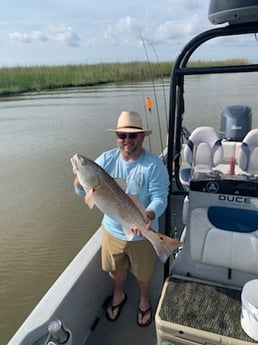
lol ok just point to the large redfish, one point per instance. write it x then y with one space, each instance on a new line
109 197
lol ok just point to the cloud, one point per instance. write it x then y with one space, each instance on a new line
20 36
123 31
64 34
178 31
38 36
60 33
128 30
187 5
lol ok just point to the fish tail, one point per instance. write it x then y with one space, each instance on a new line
163 245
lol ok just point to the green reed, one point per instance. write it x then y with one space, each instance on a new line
18 80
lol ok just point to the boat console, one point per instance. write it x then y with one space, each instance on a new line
201 299
220 214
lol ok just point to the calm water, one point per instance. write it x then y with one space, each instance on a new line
43 224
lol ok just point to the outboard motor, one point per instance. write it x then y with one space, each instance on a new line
233 11
236 122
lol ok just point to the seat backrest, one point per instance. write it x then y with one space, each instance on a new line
248 153
225 237
203 151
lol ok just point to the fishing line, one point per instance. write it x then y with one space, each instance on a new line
162 80
154 89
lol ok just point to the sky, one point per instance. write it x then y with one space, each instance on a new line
60 32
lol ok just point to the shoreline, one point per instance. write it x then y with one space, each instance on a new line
18 80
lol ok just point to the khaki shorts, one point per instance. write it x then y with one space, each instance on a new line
139 257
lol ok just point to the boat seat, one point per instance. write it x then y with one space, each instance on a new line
202 152
225 237
230 150
248 153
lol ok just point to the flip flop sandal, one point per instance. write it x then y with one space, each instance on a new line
143 314
114 307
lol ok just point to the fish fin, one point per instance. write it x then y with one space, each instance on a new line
89 199
121 182
163 245
139 205
128 234
74 165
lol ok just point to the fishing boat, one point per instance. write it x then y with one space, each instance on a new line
205 292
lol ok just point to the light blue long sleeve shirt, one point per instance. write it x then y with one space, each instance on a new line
146 177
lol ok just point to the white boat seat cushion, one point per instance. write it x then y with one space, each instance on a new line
225 237
248 153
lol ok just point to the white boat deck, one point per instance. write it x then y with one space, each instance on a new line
125 329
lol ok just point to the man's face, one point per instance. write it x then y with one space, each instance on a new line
130 144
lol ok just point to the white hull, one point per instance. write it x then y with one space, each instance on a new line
75 298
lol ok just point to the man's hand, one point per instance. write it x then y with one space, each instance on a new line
150 215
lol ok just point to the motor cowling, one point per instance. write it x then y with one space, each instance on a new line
236 122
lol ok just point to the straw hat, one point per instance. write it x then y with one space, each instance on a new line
130 122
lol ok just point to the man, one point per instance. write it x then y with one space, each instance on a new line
147 177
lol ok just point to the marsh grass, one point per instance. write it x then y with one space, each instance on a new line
18 80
